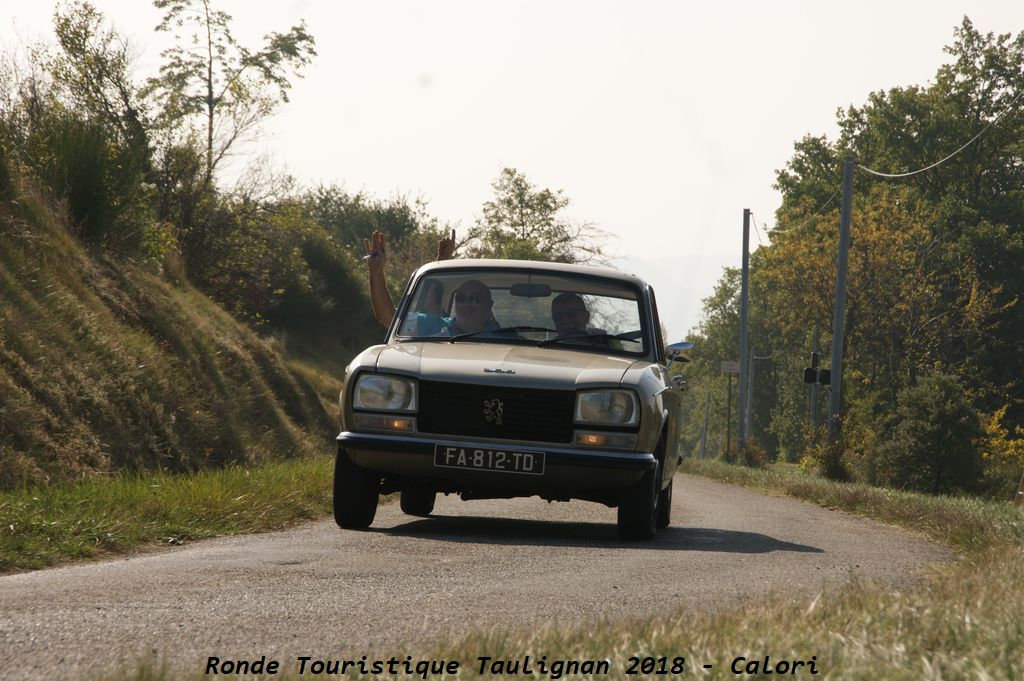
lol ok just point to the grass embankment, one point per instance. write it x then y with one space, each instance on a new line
131 404
108 365
55 524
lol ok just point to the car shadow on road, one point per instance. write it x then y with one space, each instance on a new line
481 530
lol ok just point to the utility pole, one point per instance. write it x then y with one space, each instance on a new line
750 396
704 430
814 386
728 417
744 296
839 314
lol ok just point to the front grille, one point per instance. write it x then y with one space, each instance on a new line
525 413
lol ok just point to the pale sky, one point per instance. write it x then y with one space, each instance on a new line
661 121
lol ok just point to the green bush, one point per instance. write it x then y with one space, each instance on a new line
932 443
100 179
824 458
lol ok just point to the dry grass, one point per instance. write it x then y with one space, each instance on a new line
108 366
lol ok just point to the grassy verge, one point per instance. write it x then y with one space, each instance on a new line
962 622
46 526
967 524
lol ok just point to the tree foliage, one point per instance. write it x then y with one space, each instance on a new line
410 232
209 75
524 222
934 278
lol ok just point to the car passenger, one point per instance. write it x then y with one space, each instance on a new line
570 315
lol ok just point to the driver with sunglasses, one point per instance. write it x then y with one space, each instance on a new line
473 310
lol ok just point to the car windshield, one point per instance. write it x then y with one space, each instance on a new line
534 307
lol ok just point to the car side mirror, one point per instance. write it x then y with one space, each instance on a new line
676 350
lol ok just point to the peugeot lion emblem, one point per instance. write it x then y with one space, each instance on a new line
493 410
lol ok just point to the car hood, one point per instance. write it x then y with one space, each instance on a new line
500 364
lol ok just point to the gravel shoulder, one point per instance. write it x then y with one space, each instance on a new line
410 582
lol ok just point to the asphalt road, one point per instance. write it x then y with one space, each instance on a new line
409 582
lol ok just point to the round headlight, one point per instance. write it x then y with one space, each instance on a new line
607 407
385 393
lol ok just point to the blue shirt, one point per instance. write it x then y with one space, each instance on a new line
451 330
424 324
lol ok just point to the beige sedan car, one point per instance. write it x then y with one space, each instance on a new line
503 378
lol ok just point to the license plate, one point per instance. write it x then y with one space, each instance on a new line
501 460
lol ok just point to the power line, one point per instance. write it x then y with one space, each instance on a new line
811 217
828 201
965 145
756 230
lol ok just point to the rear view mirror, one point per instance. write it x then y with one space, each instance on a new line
531 290
676 349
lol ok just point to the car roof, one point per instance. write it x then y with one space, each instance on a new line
541 265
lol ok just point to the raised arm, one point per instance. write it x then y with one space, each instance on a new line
380 297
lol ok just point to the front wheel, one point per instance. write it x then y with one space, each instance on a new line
356 491
638 510
665 507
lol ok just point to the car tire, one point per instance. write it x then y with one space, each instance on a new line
417 501
356 492
665 507
638 510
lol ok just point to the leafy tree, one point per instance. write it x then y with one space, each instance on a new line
523 222
715 340
972 238
410 232
209 74
93 72
932 442
75 119
350 218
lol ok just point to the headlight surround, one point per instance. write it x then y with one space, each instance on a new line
607 408
385 393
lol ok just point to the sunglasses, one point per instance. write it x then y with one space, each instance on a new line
474 298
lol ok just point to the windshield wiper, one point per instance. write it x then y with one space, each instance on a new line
628 335
504 329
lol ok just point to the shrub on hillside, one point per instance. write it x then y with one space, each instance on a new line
932 442
100 179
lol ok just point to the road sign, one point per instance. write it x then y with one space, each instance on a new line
732 367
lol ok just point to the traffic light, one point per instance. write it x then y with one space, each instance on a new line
812 374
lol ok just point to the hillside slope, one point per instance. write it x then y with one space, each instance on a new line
107 365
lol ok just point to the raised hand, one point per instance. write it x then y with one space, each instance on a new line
376 253
446 247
